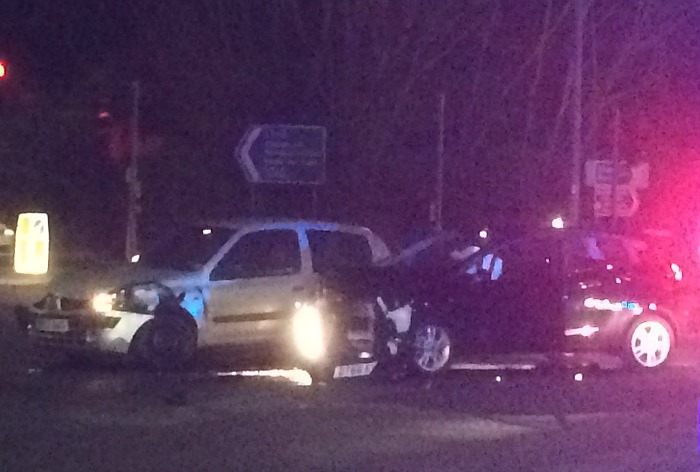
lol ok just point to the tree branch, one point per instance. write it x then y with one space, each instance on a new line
544 38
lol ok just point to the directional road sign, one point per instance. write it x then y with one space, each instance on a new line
602 171
626 200
284 154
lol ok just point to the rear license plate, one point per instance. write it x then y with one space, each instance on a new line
354 370
52 325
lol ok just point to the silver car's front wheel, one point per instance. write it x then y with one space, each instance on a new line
432 348
651 342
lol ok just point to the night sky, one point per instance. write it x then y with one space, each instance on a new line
370 72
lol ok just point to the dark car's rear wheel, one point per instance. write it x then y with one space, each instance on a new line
432 348
649 343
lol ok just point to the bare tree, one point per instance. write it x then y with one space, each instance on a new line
371 71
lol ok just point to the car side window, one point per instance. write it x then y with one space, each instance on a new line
336 249
535 261
268 253
486 266
516 262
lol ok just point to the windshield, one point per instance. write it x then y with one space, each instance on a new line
442 251
187 249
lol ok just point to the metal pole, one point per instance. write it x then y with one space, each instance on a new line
314 201
616 169
132 246
577 144
439 181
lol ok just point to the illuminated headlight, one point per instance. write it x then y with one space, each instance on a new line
141 299
309 336
103 302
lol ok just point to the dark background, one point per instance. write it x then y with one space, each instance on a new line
370 72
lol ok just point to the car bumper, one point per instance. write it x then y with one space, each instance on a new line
82 331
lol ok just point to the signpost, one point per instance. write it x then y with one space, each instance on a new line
626 201
600 174
134 184
284 154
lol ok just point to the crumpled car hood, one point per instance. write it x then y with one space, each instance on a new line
84 281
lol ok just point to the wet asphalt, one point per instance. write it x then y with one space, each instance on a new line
248 414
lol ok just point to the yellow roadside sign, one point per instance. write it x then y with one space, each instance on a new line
32 244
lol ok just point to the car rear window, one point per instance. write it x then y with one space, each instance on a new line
332 250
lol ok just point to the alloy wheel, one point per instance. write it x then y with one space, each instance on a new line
432 348
650 343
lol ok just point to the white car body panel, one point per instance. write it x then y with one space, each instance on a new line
247 308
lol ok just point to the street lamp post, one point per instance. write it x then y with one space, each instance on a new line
577 145
133 183
440 172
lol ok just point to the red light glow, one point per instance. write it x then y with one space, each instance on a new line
3 70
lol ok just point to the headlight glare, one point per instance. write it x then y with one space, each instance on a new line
141 299
309 336
103 302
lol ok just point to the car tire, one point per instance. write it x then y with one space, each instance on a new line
320 373
167 342
137 353
79 359
649 344
431 351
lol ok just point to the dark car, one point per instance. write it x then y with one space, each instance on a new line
551 292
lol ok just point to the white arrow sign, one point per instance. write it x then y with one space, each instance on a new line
245 160
284 154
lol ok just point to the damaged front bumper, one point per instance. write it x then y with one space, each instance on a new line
79 329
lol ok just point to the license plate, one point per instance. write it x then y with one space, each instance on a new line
52 325
354 370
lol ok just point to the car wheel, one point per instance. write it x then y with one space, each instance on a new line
79 358
168 342
432 348
136 355
320 373
649 343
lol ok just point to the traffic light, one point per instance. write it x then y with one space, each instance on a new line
3 70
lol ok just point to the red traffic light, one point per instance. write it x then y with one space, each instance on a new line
3 70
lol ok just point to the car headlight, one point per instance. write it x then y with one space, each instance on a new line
308 332
103 302
141 299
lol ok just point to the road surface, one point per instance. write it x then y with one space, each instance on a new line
110 418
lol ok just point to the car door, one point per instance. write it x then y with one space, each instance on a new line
521 297
254 286
594 286
337 250
465 297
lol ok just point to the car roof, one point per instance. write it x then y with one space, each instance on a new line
562 234
291 223
412 250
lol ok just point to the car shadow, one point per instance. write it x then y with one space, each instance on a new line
557 393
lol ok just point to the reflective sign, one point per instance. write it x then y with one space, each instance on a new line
601 172
32 244
627 200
